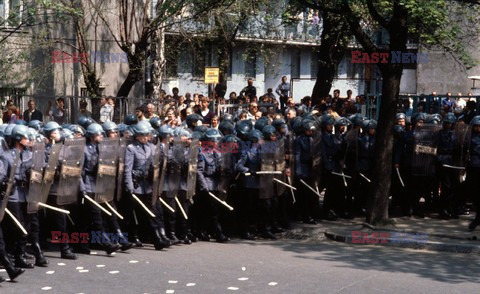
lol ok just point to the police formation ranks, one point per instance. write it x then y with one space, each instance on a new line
118 186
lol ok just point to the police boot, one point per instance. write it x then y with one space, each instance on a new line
173 239
266 233
158 241
40 259
220 237
134 239
66 252
191 237
12 271
20 260
125 245
107 245
164 238
474 223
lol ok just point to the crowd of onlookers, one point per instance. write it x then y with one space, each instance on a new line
174 108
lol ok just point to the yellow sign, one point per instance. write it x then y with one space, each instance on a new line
211 75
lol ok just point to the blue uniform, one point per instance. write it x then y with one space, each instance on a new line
20 189
303 157
250 161
138 166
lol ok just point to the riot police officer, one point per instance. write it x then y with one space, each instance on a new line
95 135
449 177
138 179
207 178
303 171
52 136
17 201
332 152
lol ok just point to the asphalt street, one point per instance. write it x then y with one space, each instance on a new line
283 266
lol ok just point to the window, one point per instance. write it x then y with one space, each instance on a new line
171 59
295 63
199 61
10 12
314 64
14 94
251 64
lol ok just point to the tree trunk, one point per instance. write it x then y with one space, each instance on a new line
331 52
158 50
377 211
135 73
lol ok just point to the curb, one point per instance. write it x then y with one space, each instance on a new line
438 246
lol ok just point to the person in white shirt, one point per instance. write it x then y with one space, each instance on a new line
106 111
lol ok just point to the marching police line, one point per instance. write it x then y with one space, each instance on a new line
171 185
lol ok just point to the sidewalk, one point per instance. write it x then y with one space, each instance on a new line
429 233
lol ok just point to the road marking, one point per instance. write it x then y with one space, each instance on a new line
100 265
242 279
83 271
272 283
172 282
46 288
60 264
190 284
79 268
232 288
114 272
50 272
244 268
133 261
170 291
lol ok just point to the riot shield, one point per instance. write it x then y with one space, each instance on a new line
7 187
290 155
425 149
460 152
107 170
156 171
49 172
70 170
192 168
163 166
225 164
175 167
35 187
315 150
266 180
280 165
351 152
122 147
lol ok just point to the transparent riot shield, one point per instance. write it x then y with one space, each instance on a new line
122 147
225 163
107 170
72 158
460 152
192 168
425 149
156 171
280 165
35 186
175 167
7 186
266 179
